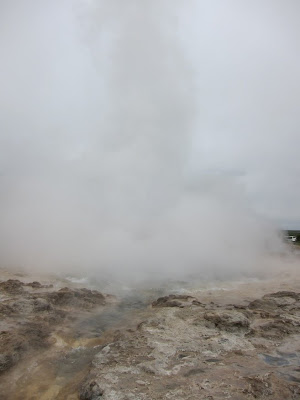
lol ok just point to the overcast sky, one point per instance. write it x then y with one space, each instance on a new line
245 61
248 60
113 110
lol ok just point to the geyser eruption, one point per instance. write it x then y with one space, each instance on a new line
97 128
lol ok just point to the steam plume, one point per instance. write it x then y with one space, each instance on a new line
99 118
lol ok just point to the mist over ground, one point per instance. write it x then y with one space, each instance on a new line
147 138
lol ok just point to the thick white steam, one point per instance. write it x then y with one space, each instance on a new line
117 129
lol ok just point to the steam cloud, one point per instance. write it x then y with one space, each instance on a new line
124 137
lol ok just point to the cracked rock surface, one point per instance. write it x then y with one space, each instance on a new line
30 313
218 340
189 349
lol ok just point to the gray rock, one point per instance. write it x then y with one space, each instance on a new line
12 286
227 320
173 300
41 304
91 391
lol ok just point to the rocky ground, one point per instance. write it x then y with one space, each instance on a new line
188 349
34 320
30 312
234 340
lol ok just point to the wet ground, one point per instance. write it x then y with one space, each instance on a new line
56 372
210 342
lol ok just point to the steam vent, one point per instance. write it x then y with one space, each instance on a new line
149 200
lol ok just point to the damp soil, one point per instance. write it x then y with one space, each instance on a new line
217 340
56 369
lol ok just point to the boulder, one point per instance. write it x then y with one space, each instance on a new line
173 300
91 391
227 320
